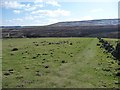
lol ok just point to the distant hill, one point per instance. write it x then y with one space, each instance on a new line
107 28
10 27
87 23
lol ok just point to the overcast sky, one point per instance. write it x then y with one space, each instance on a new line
44 12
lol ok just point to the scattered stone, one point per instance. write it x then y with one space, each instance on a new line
70 43
26 67
117 83
14 49
106 69
23 57
44 54
11 70
26 51
37 71
36 44
20 86
19 77
7 73
104 85
118 74
11 54
33 57
38 54
46 66
112 62
98 44
29 82
63 61
117 69
38 74
43 59
49 43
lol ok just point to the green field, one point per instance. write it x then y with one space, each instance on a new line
57 63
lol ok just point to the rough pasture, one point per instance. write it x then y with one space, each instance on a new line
57 62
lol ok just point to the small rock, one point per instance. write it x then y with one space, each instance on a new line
11 54
14 49
98 44
118 74
43 59
10 70
37 71
63 61
38 74
26 67
19 77
33 57
105 69
23 57
70 43
7 73
46 66
20 86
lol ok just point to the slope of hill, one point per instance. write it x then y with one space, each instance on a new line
87 23
107 28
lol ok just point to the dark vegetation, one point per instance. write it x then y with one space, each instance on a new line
110 49
104 28
115 52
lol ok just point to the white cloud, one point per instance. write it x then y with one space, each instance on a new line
38 1
52 13
53 2
30 9
96 10
34 14
17 11
13 5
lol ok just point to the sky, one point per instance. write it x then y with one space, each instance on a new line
45 12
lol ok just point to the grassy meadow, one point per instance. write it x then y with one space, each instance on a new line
57 63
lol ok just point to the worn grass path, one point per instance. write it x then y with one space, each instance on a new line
81 64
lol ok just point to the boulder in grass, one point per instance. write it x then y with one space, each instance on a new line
44 59
11 54
98 44
20 86
38 74
19 77
26 67
106 69
7 73
63 61
70 43
33 57
14 49
118 74
10 71
46 66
